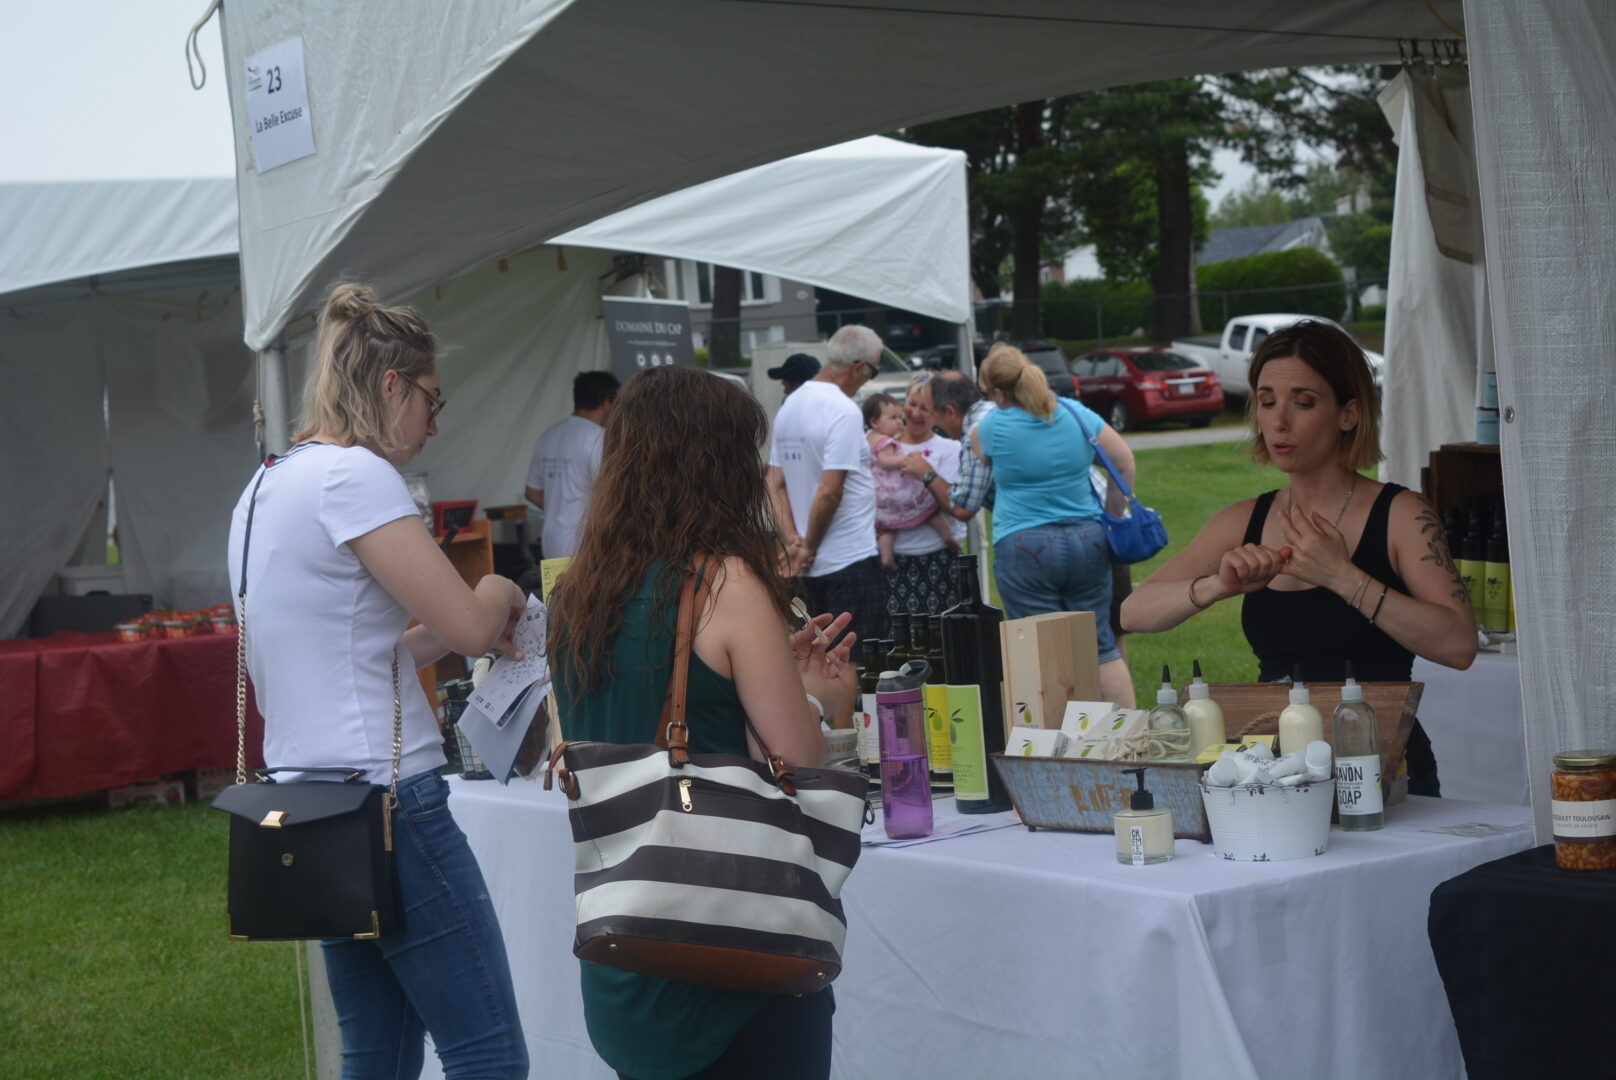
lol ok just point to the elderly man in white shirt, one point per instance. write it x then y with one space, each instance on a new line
565 460
821 490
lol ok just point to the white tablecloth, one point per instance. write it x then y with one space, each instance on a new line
1474 719
1014 953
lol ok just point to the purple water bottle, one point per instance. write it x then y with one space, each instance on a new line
905 769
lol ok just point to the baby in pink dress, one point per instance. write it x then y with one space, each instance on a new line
901 501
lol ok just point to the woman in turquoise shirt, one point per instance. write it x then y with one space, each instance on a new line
679 476
1049 549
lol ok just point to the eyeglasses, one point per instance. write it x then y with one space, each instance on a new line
874 368
434 401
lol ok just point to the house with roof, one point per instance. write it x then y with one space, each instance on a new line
1240 241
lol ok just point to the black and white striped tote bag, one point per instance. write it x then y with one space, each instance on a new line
710 868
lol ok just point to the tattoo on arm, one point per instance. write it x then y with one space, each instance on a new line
1436 543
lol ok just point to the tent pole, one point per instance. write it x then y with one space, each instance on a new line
274 399
963 343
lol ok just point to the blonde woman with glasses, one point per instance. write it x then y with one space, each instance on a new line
338 565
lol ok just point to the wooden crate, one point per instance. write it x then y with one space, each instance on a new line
1083 795
1254 708
1459 472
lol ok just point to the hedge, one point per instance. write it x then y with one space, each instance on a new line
1302 280
1086 309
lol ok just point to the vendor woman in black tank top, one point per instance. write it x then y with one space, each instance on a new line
1334 566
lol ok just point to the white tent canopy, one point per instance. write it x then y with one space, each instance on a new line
70 230
515 122
141 304
874 218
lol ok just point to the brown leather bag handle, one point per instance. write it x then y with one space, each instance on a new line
673 732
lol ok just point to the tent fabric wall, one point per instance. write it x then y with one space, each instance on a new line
515 123
180 394
53 445
512 342
1544 91
1431 315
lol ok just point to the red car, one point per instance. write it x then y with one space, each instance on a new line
1130 387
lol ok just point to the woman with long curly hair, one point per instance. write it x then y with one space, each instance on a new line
680 490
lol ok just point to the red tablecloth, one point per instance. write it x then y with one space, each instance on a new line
84 712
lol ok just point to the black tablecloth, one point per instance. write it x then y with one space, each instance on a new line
1527 953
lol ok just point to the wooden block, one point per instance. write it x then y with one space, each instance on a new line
1083 795
1048 661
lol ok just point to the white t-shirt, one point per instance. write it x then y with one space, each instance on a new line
321 632
817 429
565 460
943 454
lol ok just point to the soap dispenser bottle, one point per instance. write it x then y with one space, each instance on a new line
1144 831
1204 714
1167 728
1300 723
1357 760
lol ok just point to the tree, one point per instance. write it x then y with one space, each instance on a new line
724 331
1255 204
1017 167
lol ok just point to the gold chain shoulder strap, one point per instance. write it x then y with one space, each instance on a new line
241 663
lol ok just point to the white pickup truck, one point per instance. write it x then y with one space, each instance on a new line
1230 355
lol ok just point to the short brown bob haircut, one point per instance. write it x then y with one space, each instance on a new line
1340 362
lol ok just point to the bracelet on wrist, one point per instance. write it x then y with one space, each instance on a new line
819 706
931 474
1384 589
1196 603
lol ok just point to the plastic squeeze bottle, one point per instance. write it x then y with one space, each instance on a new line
1204 714
1167 727
1357 760
1300 723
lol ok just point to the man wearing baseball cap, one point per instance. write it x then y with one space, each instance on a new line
798 369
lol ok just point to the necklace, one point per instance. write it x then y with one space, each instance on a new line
1290 499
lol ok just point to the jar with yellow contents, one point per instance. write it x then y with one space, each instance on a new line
1583 788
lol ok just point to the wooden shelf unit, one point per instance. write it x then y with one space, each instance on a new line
471 553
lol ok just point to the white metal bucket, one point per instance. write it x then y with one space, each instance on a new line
1266 823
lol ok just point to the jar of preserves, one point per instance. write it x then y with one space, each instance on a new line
1583 790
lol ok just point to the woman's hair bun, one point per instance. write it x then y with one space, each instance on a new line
350 302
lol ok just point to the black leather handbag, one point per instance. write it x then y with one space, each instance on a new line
309 858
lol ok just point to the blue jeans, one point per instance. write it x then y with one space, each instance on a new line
1062 566
445 972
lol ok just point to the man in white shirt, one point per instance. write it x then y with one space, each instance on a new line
565 460
821 492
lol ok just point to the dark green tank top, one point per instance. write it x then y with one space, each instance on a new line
647 1028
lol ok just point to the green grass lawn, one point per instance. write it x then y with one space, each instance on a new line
112 930
115 959
1187 485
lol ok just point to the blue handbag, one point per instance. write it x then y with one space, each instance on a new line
1138 533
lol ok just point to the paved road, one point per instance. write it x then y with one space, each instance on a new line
1191 437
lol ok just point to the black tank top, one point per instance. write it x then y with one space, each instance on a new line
1316 628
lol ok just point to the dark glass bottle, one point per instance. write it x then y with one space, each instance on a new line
1472 556
976 711
927 646
898 652
1495 614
